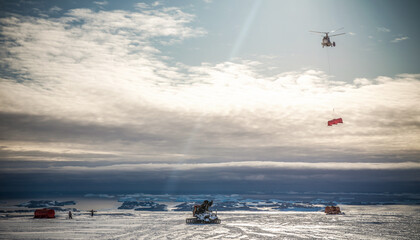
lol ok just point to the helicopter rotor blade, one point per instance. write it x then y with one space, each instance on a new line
336 30
337 34
318 32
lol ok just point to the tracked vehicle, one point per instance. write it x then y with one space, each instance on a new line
202 214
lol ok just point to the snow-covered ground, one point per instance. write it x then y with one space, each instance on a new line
359 222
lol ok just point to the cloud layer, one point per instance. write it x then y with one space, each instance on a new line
93 91
399 39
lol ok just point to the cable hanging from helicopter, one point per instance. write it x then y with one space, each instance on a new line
326 41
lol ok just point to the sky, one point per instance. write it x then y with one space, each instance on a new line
208 96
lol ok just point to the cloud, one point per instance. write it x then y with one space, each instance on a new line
399 39
55 9
220 180
362 81
193 167
141 5
383 29
93 91
101 3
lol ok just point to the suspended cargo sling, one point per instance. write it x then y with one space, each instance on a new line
44 213
335 121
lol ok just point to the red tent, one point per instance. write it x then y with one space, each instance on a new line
332 210
44 213
335 121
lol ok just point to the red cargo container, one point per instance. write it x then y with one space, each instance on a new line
335 121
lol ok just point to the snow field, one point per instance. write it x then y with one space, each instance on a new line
360 222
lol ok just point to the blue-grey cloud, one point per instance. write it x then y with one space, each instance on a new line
383 29
225 180
399 39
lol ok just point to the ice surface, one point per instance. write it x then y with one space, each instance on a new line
360 222
143 206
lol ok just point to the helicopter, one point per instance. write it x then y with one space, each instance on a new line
326 42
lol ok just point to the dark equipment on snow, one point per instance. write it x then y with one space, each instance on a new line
202 214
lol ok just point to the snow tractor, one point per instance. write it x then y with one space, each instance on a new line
201 214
